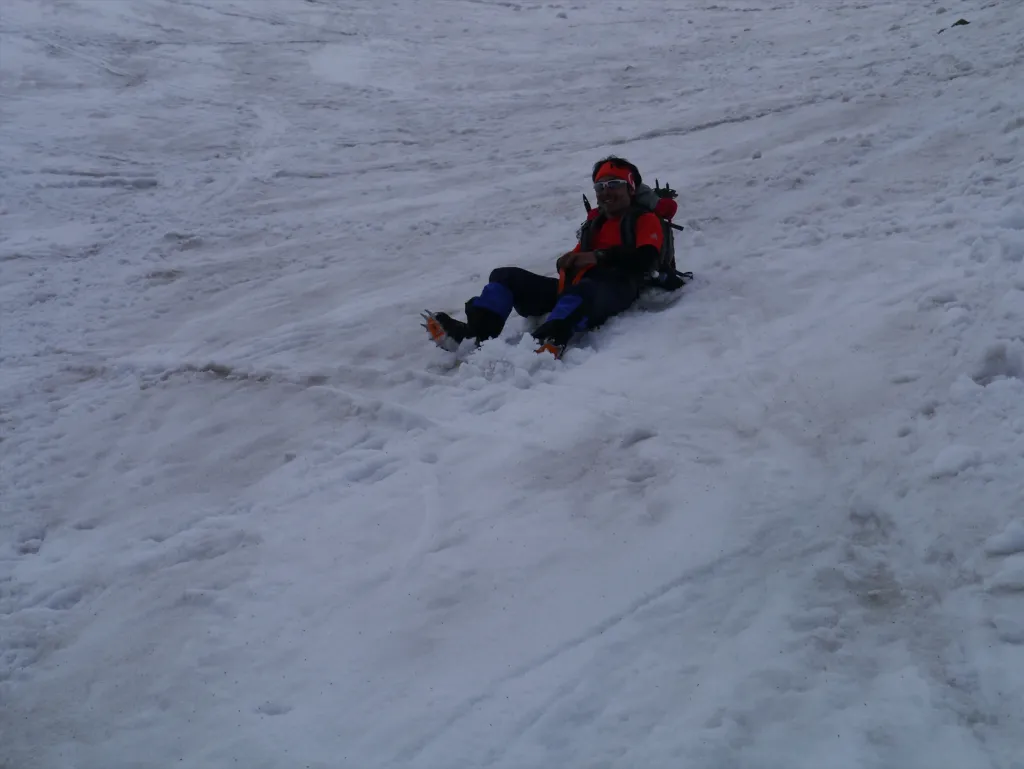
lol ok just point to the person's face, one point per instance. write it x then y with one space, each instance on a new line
612 195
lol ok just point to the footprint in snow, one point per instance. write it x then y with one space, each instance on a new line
1009 542
31 540
271 708
1007 584
954 460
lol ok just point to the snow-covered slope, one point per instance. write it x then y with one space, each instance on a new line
251 518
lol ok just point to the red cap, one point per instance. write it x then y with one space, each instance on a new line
617 172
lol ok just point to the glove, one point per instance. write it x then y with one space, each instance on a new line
575 260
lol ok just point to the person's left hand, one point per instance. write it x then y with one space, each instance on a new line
577 260
584 259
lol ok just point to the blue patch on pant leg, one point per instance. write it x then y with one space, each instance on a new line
583 325
566 306
496 298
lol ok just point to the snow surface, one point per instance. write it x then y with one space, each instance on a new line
251 518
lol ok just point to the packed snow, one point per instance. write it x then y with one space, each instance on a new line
251 517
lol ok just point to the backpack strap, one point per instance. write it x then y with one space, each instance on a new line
588 230
627 227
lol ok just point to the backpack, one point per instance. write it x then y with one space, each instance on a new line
659 201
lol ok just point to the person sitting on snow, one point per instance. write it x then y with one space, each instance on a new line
619 246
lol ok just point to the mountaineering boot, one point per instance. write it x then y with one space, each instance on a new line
553 348
483 324
446 332
553 336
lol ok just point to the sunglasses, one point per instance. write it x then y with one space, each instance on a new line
614 184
